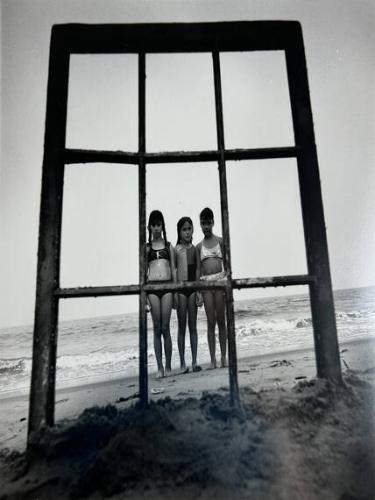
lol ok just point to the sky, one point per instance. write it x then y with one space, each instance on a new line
100 209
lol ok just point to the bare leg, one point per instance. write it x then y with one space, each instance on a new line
209 306
181 316
156 319
192 319
166 309
220 316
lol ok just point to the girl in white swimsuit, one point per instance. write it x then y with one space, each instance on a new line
210 267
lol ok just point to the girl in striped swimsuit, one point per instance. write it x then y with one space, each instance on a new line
186 267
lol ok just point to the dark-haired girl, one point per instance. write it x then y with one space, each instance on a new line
210 267
186 266
161 268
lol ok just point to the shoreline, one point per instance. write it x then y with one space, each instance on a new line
87 382
278 370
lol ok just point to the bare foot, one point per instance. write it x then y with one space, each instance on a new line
212 365
160 374
168 371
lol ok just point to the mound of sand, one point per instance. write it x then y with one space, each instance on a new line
314 441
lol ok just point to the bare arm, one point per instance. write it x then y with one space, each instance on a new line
148 306
173 264
198 260
198 273
173 274
222 247
146 263
175 261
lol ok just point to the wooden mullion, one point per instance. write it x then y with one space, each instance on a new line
232 356
143 369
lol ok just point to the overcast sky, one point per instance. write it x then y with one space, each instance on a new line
100 212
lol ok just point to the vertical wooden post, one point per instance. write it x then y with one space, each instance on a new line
232 356
321 296
42 393
143 375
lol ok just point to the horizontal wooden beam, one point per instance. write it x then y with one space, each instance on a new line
175 37
261 153
273 281
191 285
72 156
181 157
103 291
97 291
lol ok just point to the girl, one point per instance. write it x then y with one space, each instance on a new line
210 267
186 267
161 268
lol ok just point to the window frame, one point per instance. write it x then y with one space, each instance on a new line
145 39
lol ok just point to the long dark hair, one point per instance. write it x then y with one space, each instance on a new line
180 223
155 217
206 214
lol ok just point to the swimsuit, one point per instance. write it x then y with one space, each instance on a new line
213 277
186 261
159 293
163 253
221 276
207 253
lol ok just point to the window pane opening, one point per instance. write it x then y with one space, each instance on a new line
100 226
180 103
98 352
103 102
265 219
273 330
184 189
256 104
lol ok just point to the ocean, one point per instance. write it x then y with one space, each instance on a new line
105 348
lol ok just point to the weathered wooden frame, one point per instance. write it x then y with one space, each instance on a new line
153 38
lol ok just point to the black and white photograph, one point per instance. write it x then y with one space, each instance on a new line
187 242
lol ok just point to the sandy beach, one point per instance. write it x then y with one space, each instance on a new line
294 436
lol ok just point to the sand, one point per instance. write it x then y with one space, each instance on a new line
294 436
